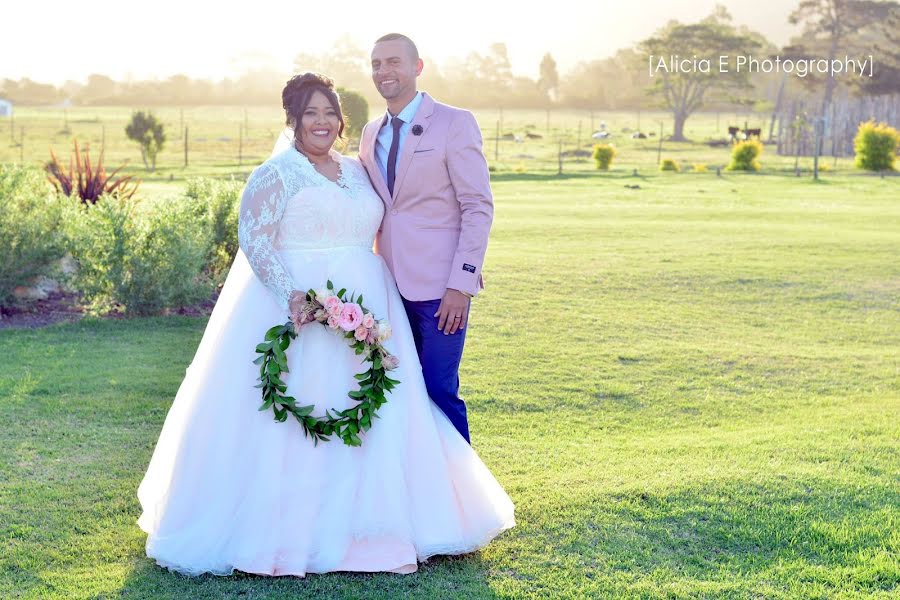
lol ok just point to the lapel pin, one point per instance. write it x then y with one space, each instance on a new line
417 130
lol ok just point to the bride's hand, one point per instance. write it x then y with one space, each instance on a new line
298 299
295 306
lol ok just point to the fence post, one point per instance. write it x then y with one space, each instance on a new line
559 156
497 144
659 148
185 147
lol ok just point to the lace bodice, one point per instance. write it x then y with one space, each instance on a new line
288 206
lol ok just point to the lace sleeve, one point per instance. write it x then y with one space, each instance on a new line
262 206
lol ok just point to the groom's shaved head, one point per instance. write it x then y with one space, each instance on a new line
413 51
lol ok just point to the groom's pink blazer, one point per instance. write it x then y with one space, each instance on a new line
435 228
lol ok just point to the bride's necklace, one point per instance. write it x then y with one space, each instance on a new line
325 168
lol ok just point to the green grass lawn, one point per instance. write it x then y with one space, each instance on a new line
690 390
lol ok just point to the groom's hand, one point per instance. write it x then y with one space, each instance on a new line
453 312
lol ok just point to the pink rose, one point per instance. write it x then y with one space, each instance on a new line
361 333
333 305
368 321
351 316
333 322
371 336
390 362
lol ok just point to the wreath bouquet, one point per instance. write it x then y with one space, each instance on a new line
344 316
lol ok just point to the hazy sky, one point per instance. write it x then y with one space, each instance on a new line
56 40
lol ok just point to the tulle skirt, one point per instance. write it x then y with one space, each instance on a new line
229 488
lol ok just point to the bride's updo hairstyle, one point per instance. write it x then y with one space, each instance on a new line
298 92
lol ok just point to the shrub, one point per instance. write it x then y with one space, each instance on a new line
669 164
140 261
700 168
217 203
603 156
30 221
876 146
744 156
146 130
356 111
87 180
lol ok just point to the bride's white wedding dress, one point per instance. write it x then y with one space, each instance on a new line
229 488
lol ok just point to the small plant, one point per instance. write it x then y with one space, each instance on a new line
700 168
744 156
876 146
669 164
146 130
603 156
88 180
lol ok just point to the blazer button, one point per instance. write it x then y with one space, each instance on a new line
393 211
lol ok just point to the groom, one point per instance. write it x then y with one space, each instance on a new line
425 160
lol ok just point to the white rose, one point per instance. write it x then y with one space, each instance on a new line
384 331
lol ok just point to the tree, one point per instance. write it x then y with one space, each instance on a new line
100 89
685 90
616 82
830 25
548 82
147 131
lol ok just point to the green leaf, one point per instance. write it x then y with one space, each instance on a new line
359 300
304 411
279 354
342 292
272 333
263 347
330 285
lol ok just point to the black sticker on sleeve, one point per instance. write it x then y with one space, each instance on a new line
469 268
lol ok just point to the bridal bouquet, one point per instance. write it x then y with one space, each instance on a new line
345 316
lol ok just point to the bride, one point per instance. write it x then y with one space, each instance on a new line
229 488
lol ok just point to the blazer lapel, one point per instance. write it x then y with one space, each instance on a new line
378 181
422 119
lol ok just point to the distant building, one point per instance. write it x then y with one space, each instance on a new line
5 108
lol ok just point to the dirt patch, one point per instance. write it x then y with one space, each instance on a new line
58 307
66 307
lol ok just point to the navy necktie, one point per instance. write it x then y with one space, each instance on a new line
396 123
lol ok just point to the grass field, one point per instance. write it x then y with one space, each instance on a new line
690 389
214 148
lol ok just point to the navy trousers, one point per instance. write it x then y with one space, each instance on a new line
440 356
